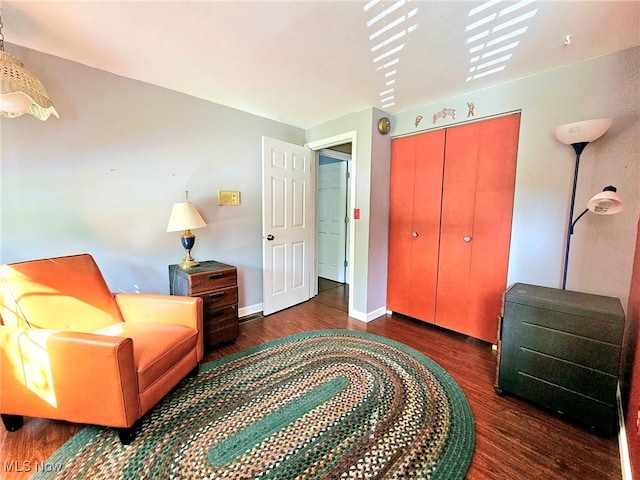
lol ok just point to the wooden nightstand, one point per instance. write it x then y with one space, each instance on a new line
217 284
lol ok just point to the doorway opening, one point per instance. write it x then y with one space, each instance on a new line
332 221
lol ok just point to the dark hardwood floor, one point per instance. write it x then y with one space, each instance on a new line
514 439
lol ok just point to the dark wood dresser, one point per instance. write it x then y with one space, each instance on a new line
217 284
562 350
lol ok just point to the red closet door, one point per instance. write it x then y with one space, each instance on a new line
414 224
478 189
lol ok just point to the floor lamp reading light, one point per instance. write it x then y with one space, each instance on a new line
185 217
607 202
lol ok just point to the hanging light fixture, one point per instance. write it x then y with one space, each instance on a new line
20 91
607 202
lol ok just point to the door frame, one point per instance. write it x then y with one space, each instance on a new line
316 146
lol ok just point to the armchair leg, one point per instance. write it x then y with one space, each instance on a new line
127 435
12 422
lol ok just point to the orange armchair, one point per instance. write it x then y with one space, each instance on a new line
71 350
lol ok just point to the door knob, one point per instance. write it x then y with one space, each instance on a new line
467 238
270 237
414 234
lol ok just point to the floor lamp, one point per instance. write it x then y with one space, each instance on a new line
579 135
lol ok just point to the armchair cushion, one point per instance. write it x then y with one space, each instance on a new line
157 347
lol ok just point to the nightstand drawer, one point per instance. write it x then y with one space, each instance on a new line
221 325
220 298
203 282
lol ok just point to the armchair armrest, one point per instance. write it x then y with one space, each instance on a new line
173 309
81 377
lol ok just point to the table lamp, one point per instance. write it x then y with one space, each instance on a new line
185 217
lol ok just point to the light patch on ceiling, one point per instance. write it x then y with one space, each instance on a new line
390 26
489 34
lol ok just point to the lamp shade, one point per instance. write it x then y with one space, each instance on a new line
21 92
607 202
184 216
582 132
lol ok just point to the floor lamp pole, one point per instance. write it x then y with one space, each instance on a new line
578 147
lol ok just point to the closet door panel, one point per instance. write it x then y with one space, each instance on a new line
414 224
457 227
400 224
496 172
427 201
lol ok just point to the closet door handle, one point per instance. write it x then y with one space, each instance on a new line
414 234
466 238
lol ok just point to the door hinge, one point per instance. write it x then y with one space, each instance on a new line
346 219
346 263
347 175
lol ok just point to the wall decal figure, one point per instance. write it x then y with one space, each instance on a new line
471 107
444 113
418 120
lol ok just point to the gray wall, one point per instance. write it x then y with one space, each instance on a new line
103 177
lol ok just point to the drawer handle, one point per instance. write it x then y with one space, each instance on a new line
216 275
219 313
216 295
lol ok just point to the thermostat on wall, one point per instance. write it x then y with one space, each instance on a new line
226 197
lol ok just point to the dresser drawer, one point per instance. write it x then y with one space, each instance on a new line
604 330
568 375
600 416
589 352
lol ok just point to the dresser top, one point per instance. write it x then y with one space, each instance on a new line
568 301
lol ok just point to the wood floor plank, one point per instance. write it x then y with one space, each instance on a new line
515 439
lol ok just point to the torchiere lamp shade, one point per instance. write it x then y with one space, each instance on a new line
582 132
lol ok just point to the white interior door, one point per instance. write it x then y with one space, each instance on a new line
286 228
332 215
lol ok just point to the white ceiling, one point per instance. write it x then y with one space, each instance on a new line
306 62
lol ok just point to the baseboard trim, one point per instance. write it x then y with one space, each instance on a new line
250 310
625 461
367 317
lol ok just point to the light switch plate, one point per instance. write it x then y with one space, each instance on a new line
227 197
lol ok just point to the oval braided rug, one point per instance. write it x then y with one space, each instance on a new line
325 404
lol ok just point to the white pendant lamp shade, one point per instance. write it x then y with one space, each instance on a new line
21 92
184 216
582 132
607 202
14 103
